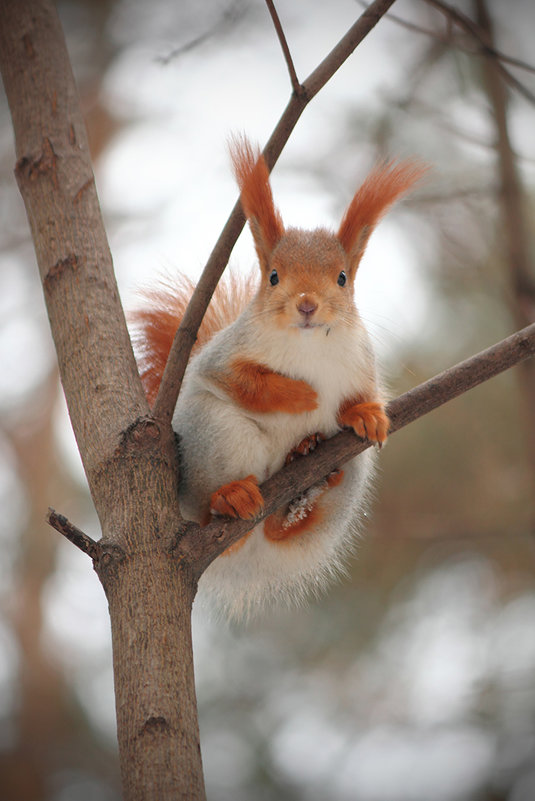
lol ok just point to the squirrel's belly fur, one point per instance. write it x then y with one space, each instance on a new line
241 443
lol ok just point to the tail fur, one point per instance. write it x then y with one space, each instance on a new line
155 322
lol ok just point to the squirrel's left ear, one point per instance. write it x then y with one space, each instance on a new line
383 186
252 176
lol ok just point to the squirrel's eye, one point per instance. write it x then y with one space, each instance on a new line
273 278
342 278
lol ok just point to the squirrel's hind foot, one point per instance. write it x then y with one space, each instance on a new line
306 446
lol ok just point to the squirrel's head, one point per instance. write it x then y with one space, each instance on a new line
308 276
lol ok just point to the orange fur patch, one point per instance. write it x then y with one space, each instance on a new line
367 419
252 176
238 499
258 389
276 528
383 186
154 324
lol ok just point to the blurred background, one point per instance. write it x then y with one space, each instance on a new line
414 678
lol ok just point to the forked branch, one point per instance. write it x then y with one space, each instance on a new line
187 332
284 46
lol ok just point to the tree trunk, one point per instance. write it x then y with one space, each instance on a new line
514 228
129 458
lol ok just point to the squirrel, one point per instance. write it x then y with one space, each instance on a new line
277 368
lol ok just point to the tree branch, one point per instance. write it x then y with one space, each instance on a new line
55 177
454 15
284 45
187 332
130 461
203 546
486 47
75 535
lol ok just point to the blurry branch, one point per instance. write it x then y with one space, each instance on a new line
301 474
456 17
486 47
513 208
226 21
187 332
410 26
442 119
284 45
512 199
41 716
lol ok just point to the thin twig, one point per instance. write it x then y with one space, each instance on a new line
72 533
284 45
227 21
202 547
187 332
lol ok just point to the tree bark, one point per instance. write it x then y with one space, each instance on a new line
129 458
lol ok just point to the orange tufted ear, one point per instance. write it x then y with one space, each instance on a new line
383 186
256 197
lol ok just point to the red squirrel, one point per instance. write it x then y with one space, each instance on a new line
277 368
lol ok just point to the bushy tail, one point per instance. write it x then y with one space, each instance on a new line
154 324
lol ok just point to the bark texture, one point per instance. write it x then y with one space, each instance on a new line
129 458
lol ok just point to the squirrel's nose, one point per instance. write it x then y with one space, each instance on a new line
306 306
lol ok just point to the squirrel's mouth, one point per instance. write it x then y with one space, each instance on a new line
308 324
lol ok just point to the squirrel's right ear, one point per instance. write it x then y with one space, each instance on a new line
383 186
252 176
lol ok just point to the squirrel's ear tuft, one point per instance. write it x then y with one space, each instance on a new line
383 186
252 176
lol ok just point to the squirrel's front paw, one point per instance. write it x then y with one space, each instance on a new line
238 499
368 420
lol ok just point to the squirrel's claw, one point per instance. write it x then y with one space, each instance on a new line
368 420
